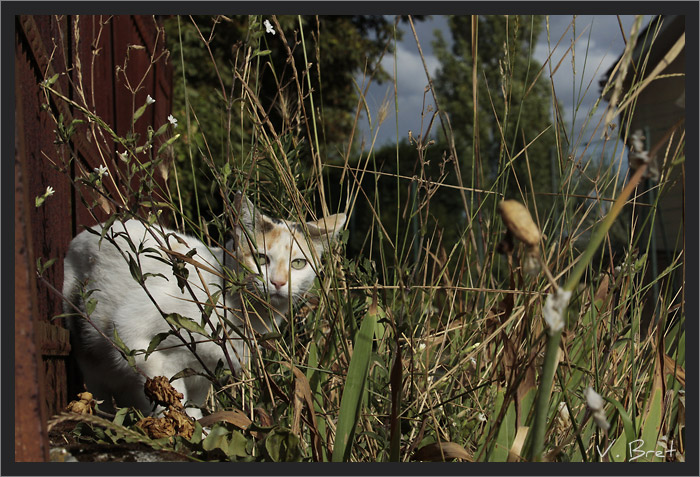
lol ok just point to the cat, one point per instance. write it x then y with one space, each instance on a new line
272 255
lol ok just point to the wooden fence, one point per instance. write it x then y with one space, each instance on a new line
92 51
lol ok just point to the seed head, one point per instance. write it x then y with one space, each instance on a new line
518 220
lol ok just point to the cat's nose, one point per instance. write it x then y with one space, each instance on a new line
278 283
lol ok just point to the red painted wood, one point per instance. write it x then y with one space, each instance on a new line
101 46
31 442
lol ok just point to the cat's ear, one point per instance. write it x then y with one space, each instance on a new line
323 231
246 211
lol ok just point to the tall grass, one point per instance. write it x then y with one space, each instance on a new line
419 347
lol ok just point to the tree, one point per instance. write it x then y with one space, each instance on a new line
512 105
307 58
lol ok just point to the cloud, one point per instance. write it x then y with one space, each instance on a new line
411 90
600 42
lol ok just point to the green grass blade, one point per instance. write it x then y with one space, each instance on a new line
619 449
351 401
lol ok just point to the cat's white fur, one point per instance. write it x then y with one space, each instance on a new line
124 305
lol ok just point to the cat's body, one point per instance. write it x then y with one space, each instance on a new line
285 265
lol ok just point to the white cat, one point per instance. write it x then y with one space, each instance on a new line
273 256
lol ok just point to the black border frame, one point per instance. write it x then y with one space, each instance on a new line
690 9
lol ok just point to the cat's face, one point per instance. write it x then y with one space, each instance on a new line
283 260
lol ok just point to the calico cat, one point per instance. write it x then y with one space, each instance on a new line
274 258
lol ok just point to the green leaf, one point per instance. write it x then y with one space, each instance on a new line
237 445
90 306
139 112
41 267
282 445
120 415
272 335
210 305
50 81
161 129
217 439
128 354
182 322
107 226
261 53
505 436
135 270
651 428
197 434
628 425
186 373
168 142
351 400
155 341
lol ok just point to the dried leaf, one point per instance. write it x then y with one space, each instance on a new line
263 417
441 452
671 368
515 452
235 417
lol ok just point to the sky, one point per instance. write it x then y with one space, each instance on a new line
599 45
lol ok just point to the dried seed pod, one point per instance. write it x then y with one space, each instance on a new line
518 220
79 407
85 396
84 406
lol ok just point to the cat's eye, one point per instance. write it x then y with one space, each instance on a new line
298 263
262 259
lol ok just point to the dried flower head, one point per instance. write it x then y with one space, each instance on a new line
174 423
519 221
85 405
160 391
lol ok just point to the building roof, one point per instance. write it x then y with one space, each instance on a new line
667 28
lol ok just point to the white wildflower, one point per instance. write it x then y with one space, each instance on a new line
150 100
40 199
101 171
268 27
554 308
124 156
481 417
172 120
